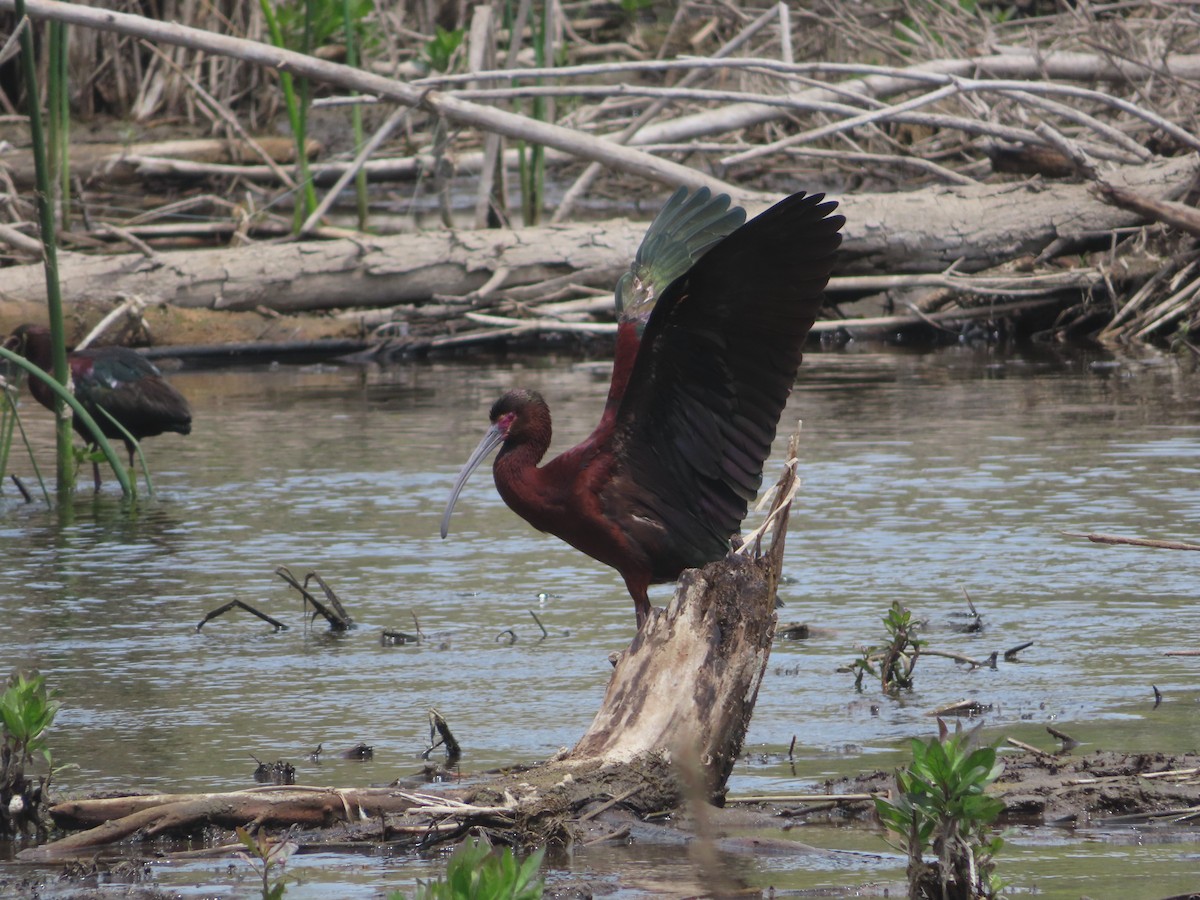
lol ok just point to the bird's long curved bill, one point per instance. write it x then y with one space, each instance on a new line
491 440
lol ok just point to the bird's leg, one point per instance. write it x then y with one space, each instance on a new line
641 603
96 475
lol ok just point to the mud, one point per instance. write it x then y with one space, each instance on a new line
1101 787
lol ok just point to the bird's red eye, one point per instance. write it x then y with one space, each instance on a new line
505 422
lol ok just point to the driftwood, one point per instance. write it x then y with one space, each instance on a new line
450 107
939 103
110 163
921 231
1017 64
669 730
115 819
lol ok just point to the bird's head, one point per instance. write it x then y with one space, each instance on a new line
518 416
31 342
15 342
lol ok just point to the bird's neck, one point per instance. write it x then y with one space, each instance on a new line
37 350
532 492
628 341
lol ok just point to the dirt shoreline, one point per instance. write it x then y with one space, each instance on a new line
1099 788
1102 787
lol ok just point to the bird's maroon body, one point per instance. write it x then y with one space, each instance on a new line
705 360
112 380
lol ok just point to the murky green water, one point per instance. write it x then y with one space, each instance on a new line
924 475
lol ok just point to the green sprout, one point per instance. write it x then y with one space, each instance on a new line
266 854
894 661
941 808
475 871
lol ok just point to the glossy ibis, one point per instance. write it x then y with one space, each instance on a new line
712 318
116 380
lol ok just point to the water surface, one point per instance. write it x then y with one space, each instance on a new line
924 476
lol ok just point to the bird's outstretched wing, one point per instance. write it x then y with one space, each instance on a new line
682 232
712 374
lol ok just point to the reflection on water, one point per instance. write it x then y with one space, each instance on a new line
924 476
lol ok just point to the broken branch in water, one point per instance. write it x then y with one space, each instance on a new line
1029 748
334 613
1068 742
989 663
806 798
239 604
1010 655
545 633
439 726
1133 541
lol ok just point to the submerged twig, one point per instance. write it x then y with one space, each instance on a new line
334 613
1010 655
1132 541
439 726
545 633
239 604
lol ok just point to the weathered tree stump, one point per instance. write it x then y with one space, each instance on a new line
689 681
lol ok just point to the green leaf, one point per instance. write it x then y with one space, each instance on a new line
247 840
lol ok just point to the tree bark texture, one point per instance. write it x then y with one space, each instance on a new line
688 683
921 231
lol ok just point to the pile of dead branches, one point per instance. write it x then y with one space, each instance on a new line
995 162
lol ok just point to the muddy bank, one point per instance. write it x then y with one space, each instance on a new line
1101 788
1104 787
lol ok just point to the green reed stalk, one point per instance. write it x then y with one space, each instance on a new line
66 457
356 121
297 118
134 443
58 101
533 169
37 472
305 89
8 421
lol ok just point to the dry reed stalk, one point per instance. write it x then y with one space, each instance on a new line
948 93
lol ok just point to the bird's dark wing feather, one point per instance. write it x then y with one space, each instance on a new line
685 228
131 389
716 364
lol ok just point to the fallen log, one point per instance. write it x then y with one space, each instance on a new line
971 227
110 820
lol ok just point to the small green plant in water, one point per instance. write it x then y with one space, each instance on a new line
475 871
893 662
27 710
942 808
267 855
